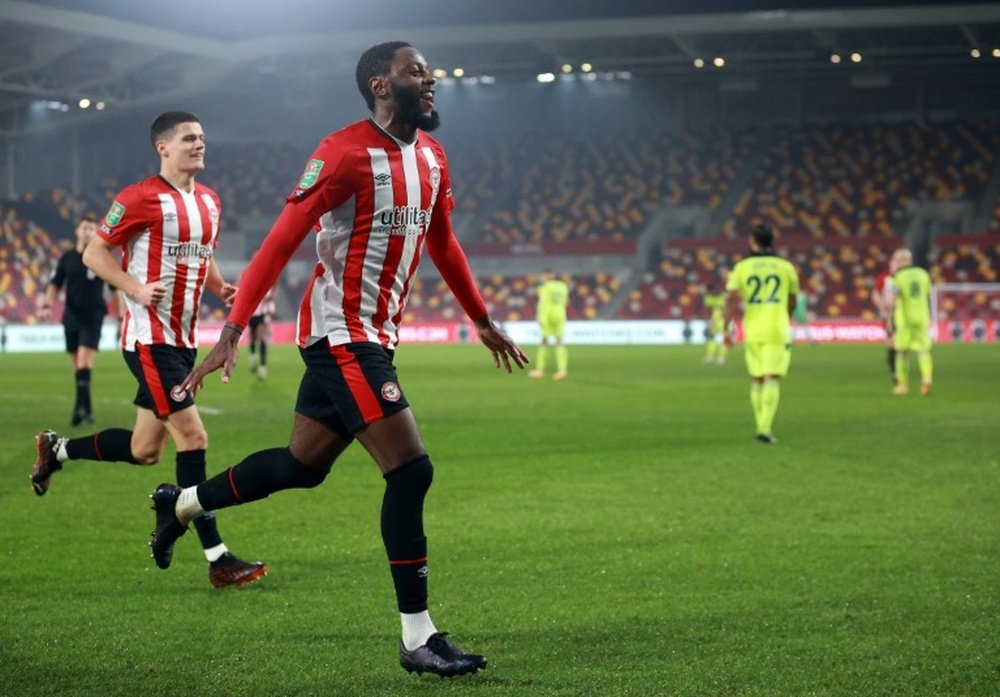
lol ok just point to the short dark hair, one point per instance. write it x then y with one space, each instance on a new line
763 236
87 218
167 122
375 62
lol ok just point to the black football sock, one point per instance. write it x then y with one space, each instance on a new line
82 390
253 346
83 386
891 360
403 531
257 477
263 353
191 472
109 445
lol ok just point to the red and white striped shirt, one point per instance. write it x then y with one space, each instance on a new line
267 307
883 294
375 203
378 197
167 236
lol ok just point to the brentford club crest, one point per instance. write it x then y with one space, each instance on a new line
177 394
390 392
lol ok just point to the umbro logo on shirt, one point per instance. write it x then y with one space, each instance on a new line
383 179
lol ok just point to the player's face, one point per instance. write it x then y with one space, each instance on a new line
85 232
412 87
184 147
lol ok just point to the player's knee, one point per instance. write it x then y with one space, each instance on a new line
415 476
199 439
146 455
194 438
302 475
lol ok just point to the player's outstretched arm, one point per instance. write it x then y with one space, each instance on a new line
223 355
500 345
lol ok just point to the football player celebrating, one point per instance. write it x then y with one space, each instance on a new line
377 194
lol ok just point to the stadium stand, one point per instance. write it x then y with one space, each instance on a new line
967 259
604 186
859 180
28 254
581 194
836 275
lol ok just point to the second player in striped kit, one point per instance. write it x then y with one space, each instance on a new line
168 228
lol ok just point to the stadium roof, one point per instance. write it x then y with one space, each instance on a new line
124 55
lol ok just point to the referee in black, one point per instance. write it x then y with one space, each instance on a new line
85 307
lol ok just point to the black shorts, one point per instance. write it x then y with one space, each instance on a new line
349 386
160 369
81 331
256 321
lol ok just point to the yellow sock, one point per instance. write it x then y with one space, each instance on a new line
903 368
926 367
770 395
540 362
562 358
755 403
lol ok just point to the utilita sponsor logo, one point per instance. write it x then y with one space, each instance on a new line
405 215
401 220
188 250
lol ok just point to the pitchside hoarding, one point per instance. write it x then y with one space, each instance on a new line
24 338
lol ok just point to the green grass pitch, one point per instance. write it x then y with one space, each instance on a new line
618 533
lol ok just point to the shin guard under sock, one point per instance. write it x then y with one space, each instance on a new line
403 531
258 476
109 445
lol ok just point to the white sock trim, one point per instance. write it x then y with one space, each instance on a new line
188 508
61 453
417 629
213 553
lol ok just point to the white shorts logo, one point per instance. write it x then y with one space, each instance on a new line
177 394
390 392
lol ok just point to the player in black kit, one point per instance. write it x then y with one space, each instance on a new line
84 309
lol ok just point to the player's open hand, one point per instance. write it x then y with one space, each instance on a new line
502 347
224 354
